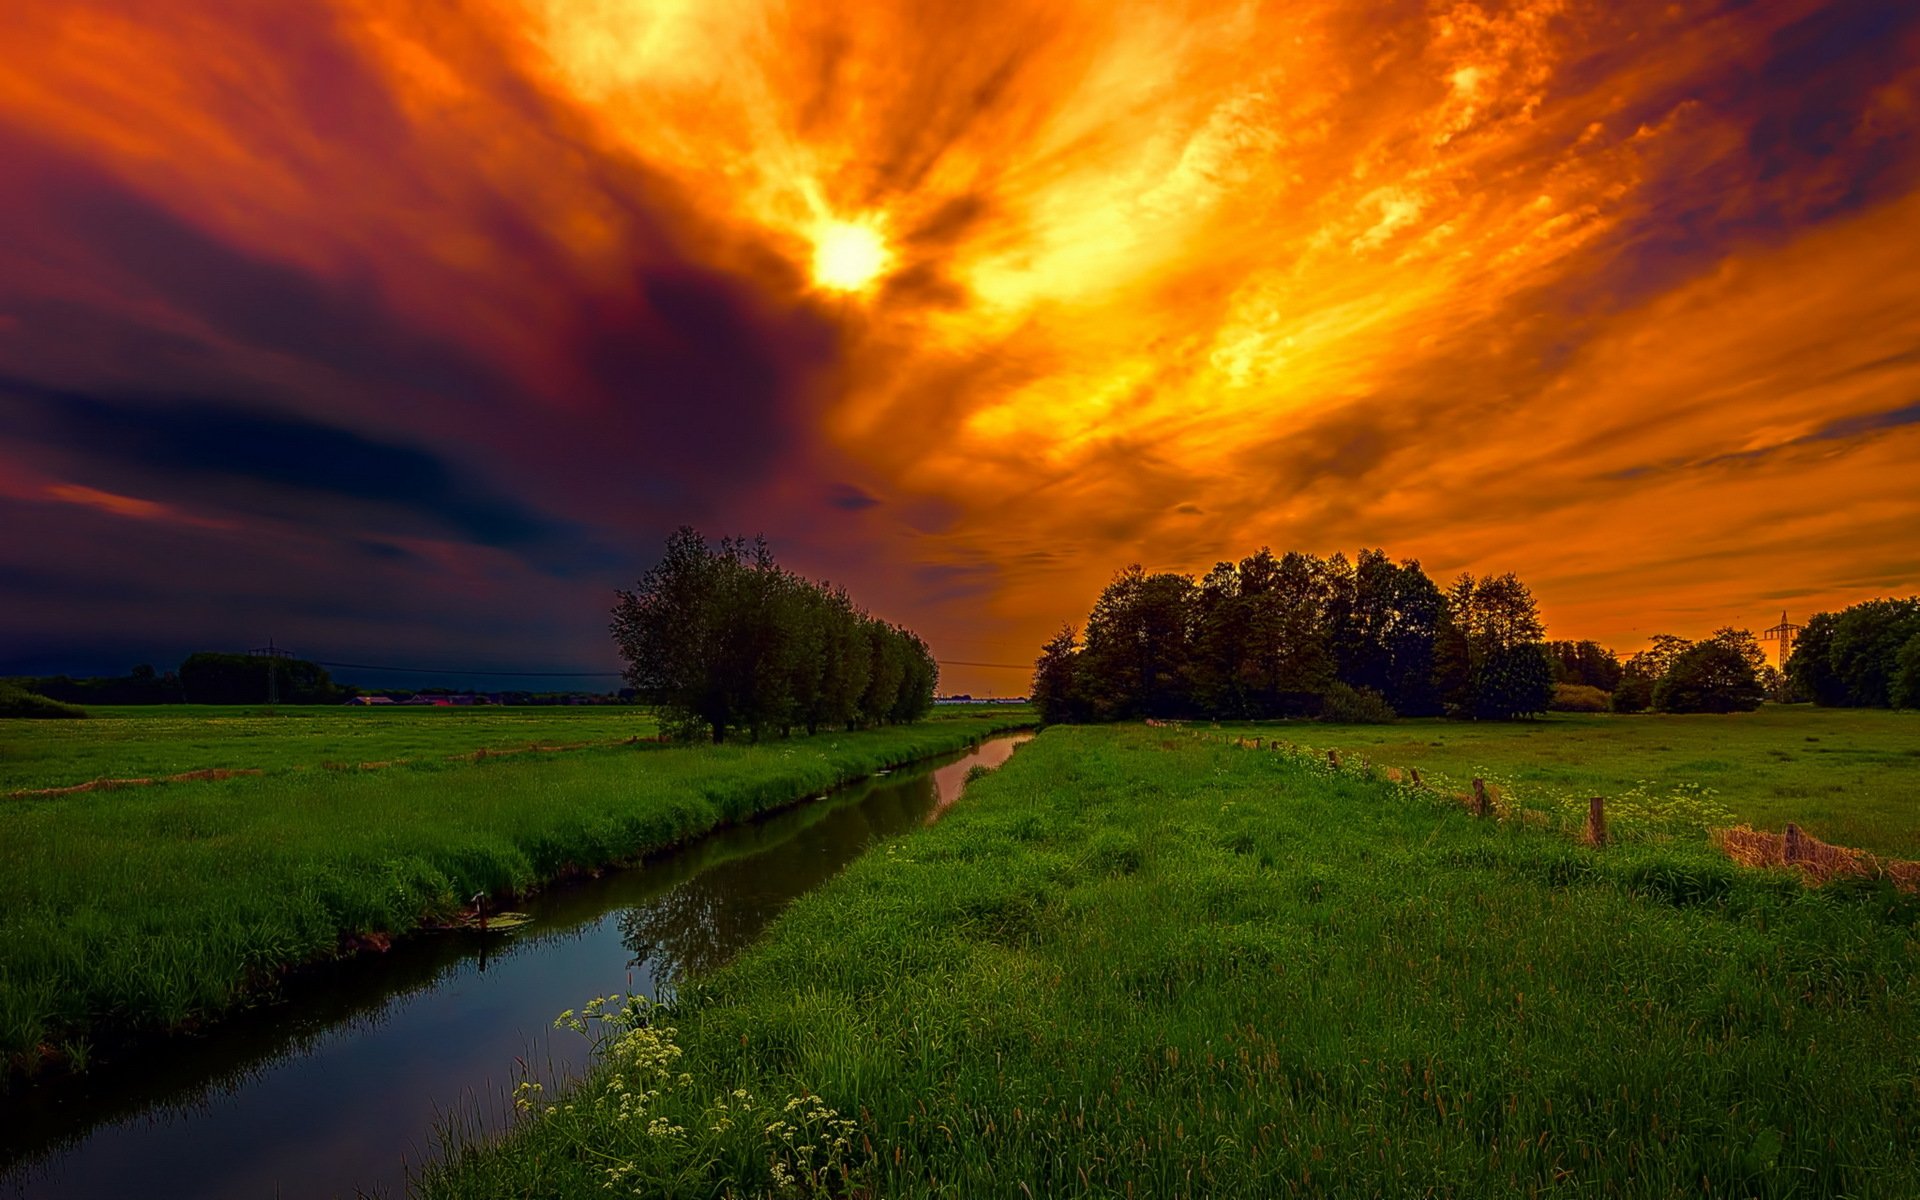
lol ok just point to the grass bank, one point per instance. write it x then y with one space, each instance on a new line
1848 776
1145 964
149 907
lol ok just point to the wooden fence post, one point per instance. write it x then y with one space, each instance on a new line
1597 821
1792 849
1482 803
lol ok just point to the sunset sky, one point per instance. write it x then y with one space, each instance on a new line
402 331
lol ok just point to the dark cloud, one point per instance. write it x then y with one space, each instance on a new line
228 456
697 376
1844 429
341 325
848 498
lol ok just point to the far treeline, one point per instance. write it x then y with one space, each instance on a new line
1368 640
724 641
1296 635
203 678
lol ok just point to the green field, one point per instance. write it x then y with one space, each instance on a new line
155 741
1850 776
146 906
1143 962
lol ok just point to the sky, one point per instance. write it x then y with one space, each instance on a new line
403 331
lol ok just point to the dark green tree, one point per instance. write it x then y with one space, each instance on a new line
208 678
1904 691
1057 690
1712 676
1587 663
1493 655
1139 644
723 640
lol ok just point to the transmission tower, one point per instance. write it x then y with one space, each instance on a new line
1784 633
270 652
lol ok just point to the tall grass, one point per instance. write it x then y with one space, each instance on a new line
1137 963
152 906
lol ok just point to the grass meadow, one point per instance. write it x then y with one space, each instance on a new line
1850 776
151 906
1146 963
154 741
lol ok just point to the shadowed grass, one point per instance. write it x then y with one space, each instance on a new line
1139 963
151 906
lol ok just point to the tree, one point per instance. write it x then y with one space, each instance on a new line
1904 692
1633 694
1385 622
1588 664
1713 676
1653 663
208 678
1493 656
1056 680
1139 644
723 640
1852 657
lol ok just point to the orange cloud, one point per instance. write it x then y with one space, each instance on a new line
1616 296
131 507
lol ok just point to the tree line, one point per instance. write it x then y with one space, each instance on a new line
1297 635
725 641
1864 656
203 678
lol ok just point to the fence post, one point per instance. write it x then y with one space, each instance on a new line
1792 850
1416 777
1482 803
1597 821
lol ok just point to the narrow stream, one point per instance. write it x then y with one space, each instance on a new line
341 1089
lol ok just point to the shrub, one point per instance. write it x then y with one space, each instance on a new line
1346 705
1578 697
16 702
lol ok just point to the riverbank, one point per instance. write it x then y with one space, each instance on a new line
1140 962
153 907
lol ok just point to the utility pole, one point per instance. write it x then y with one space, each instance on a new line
1783 633
271 652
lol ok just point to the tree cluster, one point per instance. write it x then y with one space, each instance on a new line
1585 664
1864 656
204 678
1724 673
724 641
1278 636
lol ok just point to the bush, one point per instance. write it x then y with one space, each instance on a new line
16 702
1346 705
1635 694
1578 697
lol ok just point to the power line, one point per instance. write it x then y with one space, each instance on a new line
465 671
945 662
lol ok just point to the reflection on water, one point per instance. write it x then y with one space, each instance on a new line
336 1092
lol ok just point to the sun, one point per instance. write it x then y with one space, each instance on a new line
848 255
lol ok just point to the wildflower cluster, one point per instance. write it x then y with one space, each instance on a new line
811 1145
641 1121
